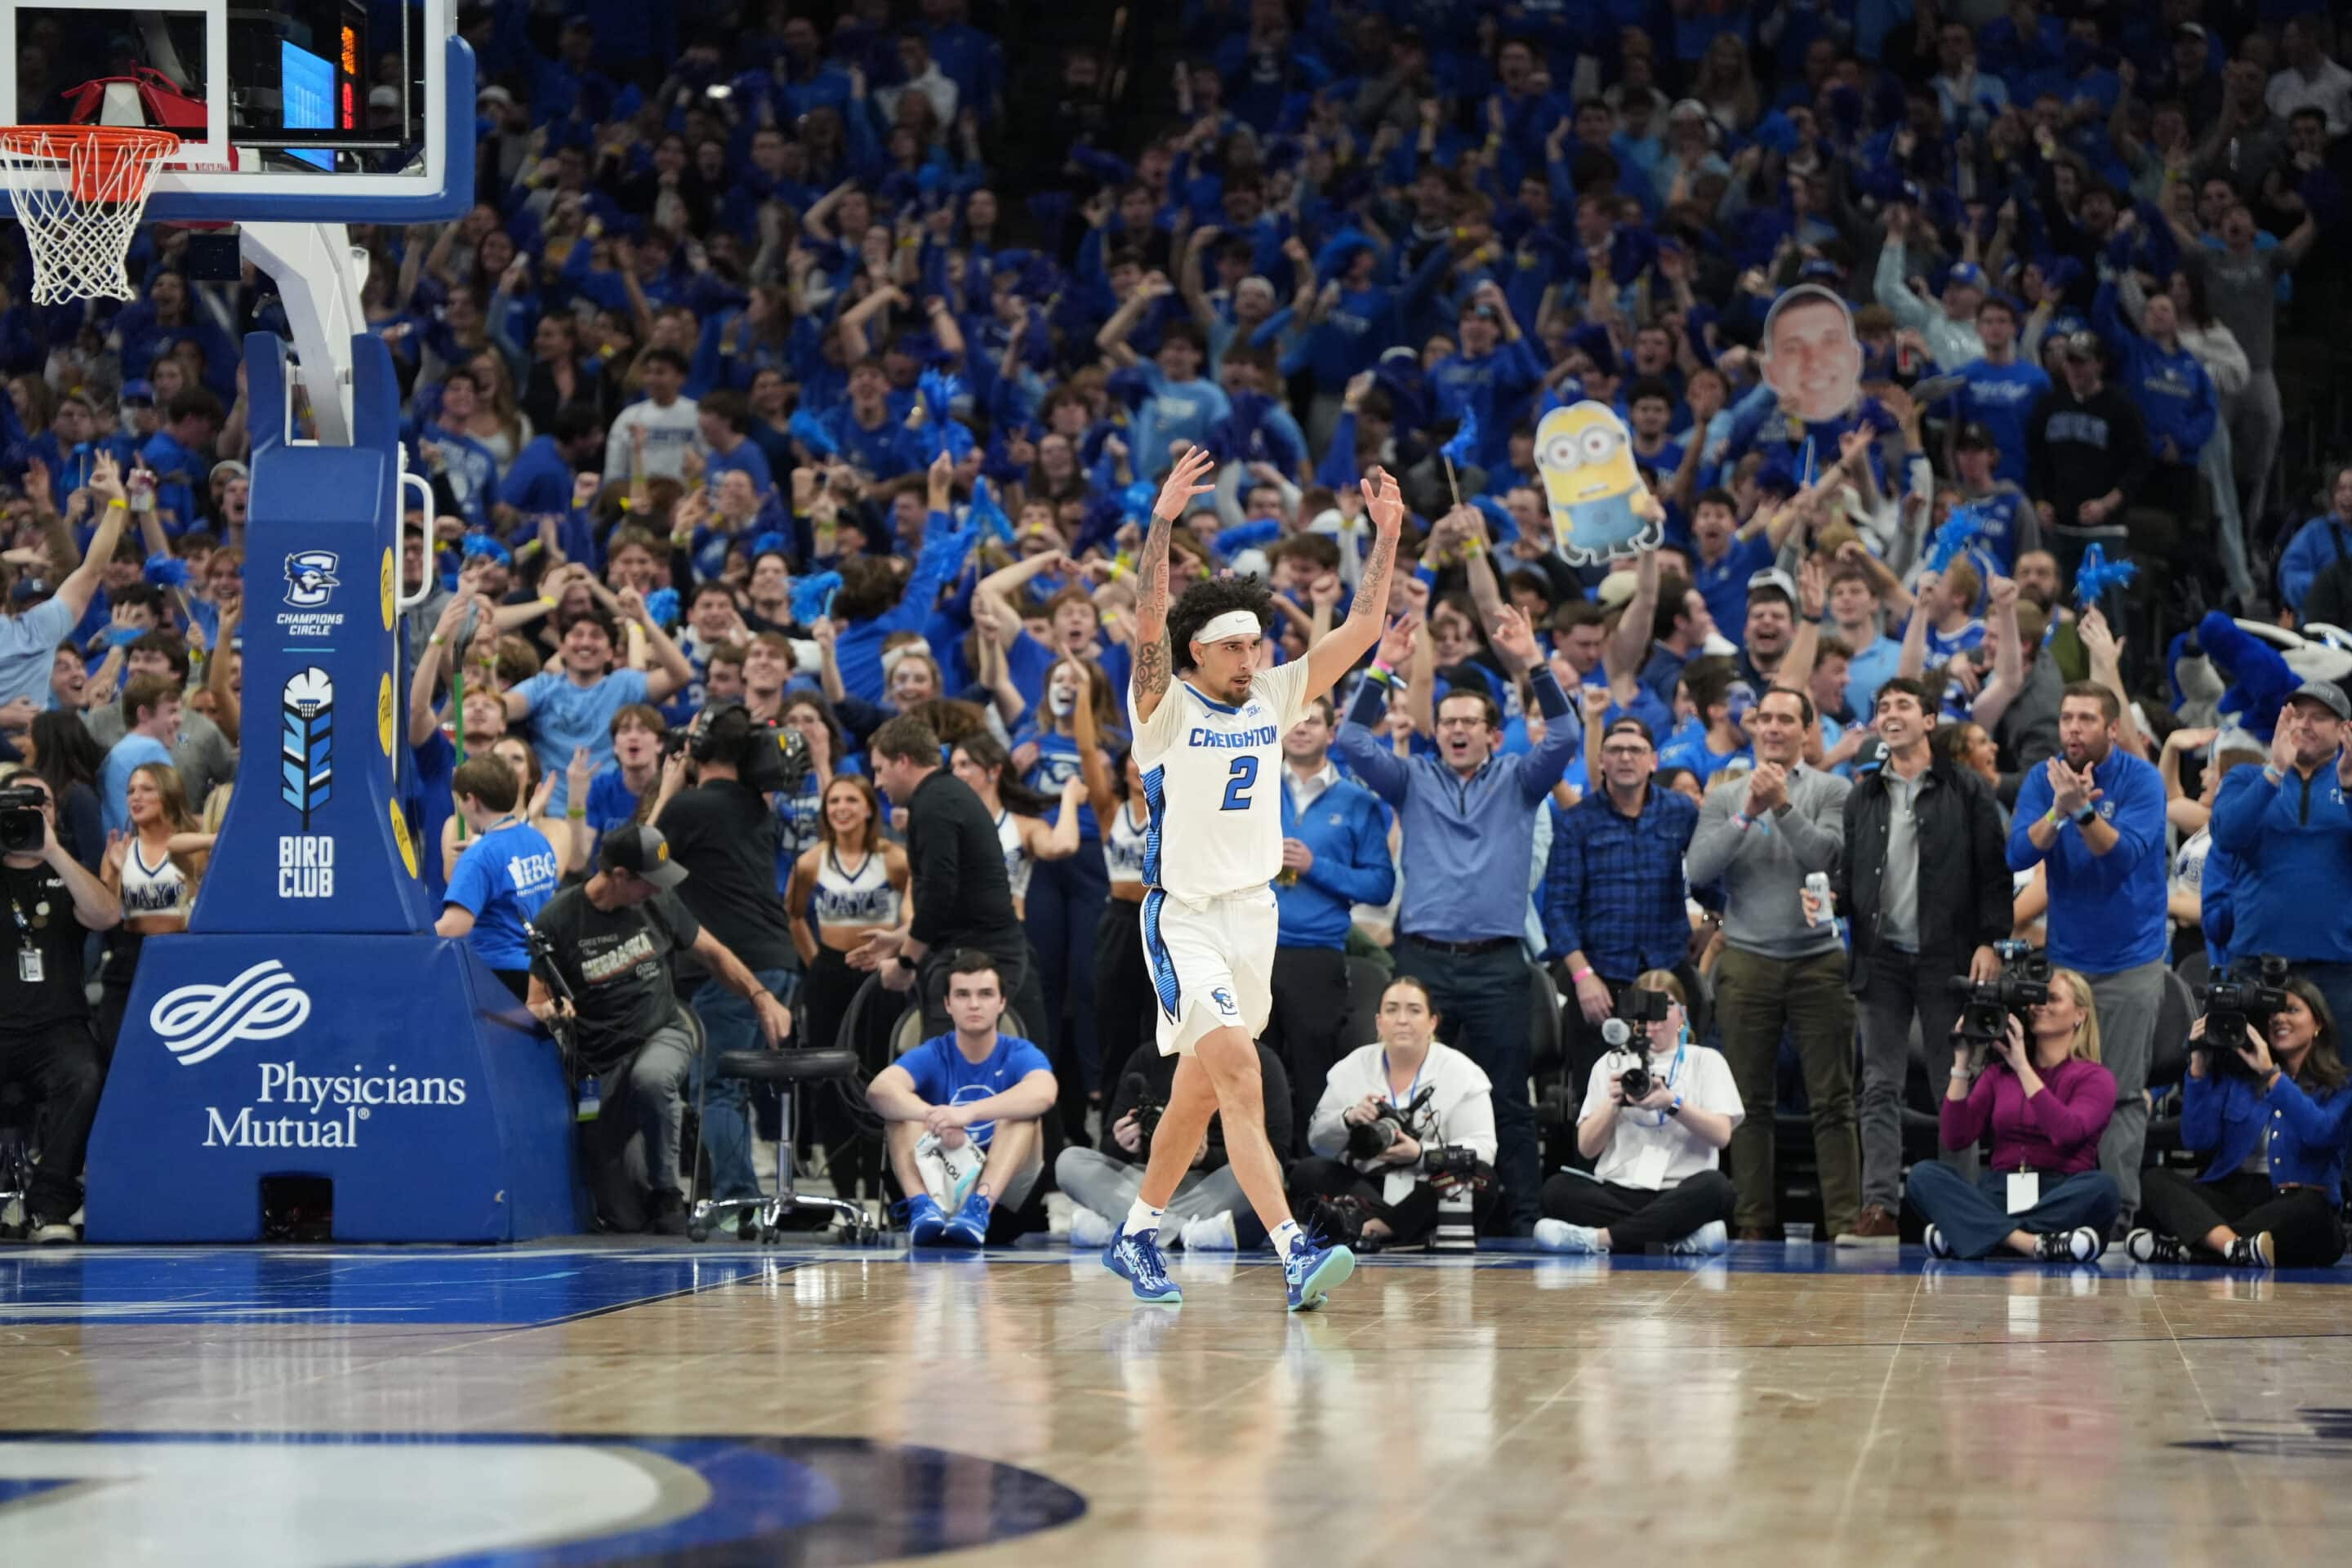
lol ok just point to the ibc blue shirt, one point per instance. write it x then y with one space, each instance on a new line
2106 911
503 880
943 1075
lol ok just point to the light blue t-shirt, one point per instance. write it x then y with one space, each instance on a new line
28 647
502 880
945 1076
133 751
564 716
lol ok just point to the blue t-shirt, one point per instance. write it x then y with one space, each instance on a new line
115 786
502 880
943 1075
610 802
565 715
1701 758
1998 398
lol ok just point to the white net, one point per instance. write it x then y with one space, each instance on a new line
80 191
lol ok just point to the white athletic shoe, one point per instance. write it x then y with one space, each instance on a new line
1705 1242
1212 1233
1088 1229
1558 1235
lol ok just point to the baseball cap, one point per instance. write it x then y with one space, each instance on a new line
2082 345
2189 30
641 851
1966 273
137 392
2327 694
1773 580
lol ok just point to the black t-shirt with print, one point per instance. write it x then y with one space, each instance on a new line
617 963
38 918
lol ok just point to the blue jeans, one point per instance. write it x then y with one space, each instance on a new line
1975 1219
729 1024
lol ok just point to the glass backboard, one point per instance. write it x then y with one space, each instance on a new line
308 110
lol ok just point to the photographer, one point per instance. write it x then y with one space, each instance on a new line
44 1023
1208 1212
1655 1143
613 937
2275 1112
2047 1100
1386 1108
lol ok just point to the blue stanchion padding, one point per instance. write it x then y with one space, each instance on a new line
398 1068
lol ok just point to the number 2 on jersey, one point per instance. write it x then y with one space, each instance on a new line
1238 784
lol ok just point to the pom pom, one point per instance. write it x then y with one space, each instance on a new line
479 545
2096 576
770 543
661 607
1463 446
167 571
987 515
1960 530
812 596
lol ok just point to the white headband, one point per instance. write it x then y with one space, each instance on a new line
1231 623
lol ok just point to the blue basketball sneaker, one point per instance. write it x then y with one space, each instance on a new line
1313 1269
1137 1260
969 1228
925 1225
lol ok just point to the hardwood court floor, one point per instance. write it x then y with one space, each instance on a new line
731 1405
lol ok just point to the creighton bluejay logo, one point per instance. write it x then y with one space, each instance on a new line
1224 1001
311 578
307 747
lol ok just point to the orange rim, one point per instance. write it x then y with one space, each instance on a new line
94 156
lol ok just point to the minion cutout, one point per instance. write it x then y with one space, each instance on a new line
1586 456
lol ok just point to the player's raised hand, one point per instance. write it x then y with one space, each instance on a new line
1396 643
1185 481
1383 501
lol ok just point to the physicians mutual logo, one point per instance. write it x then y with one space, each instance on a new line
196 1022
311 584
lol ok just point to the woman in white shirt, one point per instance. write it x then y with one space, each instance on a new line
1385 1192
1654 1180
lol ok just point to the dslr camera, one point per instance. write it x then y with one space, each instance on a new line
22 831
1147 1110
2244 996
1628 1030
1371 1140
1987 1005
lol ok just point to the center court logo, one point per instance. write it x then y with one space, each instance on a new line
196 1022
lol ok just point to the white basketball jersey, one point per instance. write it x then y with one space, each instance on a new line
1212 781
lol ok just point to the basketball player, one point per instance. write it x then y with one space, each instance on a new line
1208 718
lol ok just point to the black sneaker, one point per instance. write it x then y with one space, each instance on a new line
2080 1245
2154 1246
670 1214
2251 1252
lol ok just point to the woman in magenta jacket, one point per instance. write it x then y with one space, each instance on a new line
2046 1098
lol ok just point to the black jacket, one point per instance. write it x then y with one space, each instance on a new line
1964 880
962 897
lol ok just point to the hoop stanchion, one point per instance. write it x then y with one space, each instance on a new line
79 227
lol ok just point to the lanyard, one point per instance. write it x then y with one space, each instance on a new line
24 927
1388 1079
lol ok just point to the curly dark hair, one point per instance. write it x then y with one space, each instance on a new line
1204 601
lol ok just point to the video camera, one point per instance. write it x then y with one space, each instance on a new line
1371 1140
1987 1005
1628 1030
2244 996
766 756
22 830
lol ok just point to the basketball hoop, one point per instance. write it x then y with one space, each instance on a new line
79 228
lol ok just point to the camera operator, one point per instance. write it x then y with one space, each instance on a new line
1656 1143
2274 1111
612 936
1210 1212
723 834
2047 1100
1386 1109
45 1022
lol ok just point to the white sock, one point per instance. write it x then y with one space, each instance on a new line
1283 1235
1142 1219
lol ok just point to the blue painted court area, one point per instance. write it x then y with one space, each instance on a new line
527 1286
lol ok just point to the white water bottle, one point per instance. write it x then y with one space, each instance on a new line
1822 907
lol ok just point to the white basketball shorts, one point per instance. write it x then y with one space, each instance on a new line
1211 963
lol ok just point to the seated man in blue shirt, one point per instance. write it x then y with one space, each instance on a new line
1469 849
505 876
974 1090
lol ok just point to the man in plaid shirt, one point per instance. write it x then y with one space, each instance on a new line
1612 900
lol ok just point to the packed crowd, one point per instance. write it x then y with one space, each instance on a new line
783 366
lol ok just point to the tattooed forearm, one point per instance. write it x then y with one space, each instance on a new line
1373 589
1151 571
